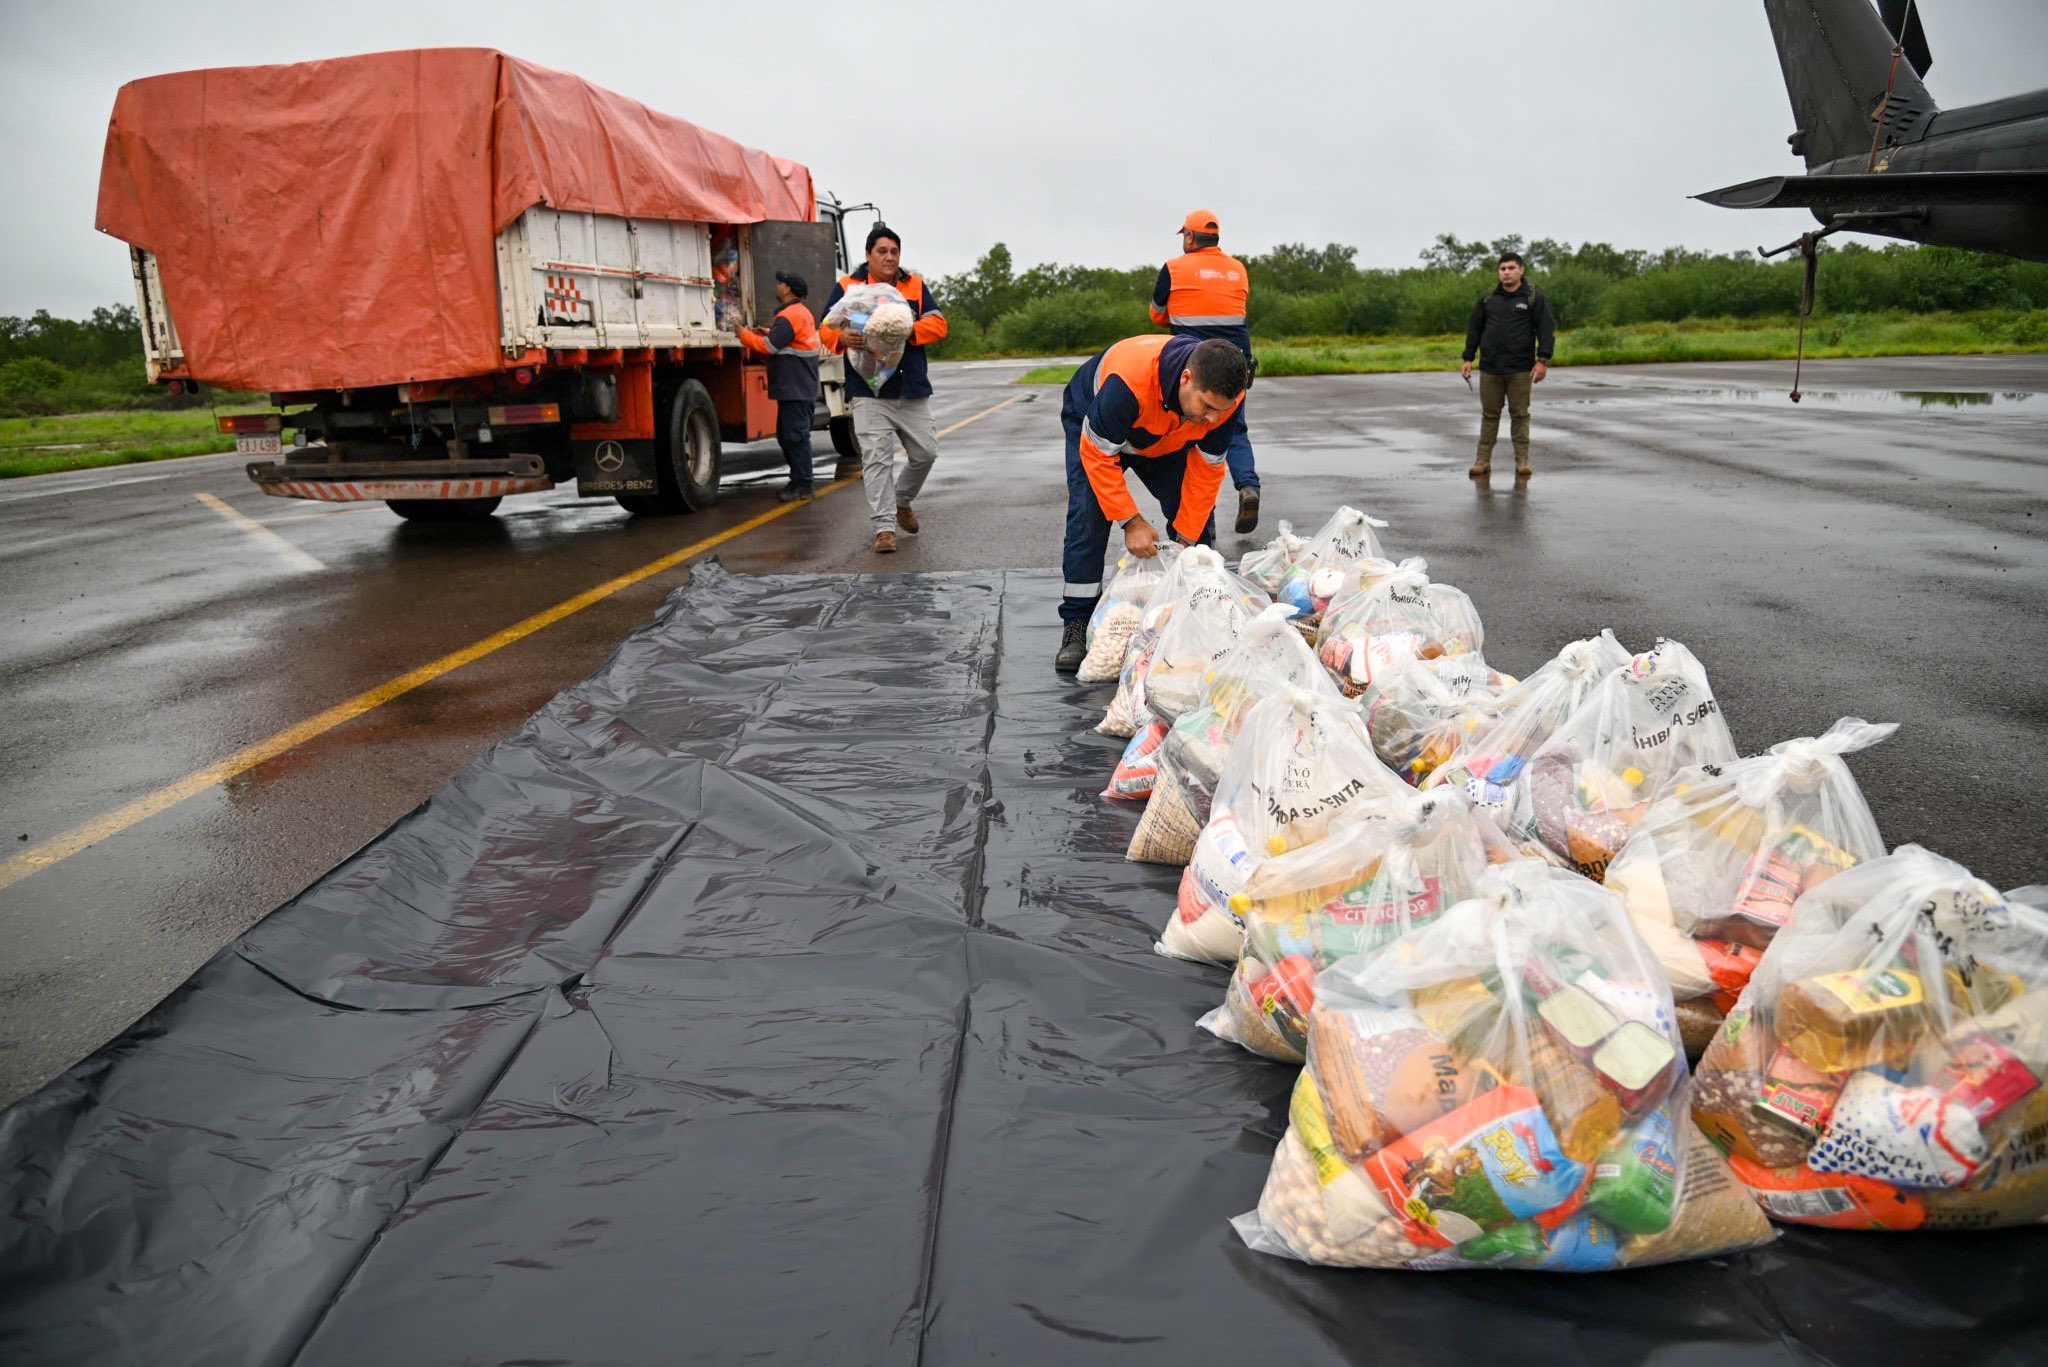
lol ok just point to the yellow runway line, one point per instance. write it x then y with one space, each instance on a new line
270 541
83 837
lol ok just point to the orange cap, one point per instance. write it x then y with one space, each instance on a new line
1200 221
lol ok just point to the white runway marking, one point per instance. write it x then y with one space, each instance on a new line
284 549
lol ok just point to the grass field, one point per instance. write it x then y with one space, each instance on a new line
81 441
1926 334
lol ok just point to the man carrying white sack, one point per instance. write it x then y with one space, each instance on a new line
1146 404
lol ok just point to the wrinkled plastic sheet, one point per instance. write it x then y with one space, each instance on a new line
781 994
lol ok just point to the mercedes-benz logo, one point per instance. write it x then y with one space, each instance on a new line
611 457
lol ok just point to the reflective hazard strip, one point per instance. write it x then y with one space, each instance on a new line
1093 590
1094 438
797 351
1211 458
1206 320
373 490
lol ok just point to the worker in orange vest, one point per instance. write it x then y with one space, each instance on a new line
1167 409
793 350
1205 292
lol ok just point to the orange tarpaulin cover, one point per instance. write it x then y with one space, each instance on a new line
332 225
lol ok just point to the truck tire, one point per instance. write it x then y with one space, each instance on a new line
845 442
687 453
443 509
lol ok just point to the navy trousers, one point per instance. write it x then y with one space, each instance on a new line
793 435
1088 529
1242 475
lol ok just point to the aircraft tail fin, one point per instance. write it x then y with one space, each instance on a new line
1837 57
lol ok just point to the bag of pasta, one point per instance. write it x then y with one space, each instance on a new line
1318 572
1269 657
1884 1067
1300 758
1712 873
1589 785
1419 711
1211 617
1502 1088
1127 715
1388 865
1400 615
1118 612
1490 764
1265 568
885 320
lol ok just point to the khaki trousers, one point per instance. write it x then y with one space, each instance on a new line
1514 391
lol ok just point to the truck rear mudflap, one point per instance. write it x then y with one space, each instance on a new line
315 475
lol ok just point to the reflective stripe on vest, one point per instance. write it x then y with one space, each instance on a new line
804 341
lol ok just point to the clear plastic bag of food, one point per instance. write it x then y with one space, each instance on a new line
1396 616
1590 784
1491 764
1114 623
1418 712
1137 768
1502 1088
1300 759
1884 1067
885 320
1713 871
1212 616
1318 572
1127 714
1269 657
1388 865
1265 568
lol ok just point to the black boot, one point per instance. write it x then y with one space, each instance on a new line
1247 508
1073 648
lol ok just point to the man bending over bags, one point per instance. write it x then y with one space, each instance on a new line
1166 408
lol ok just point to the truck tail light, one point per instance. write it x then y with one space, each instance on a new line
522 414
523 375
241 424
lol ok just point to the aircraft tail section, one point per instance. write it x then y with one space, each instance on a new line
1836 56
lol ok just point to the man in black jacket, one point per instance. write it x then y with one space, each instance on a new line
1512 331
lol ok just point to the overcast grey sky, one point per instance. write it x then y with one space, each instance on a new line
1073 132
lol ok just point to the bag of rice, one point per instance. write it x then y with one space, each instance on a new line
1501 1088
1712 873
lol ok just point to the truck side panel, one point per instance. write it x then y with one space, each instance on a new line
575 280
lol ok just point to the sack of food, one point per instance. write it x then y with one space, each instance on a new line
1318 572
884 319
1271 656
1126 714
1502 1088
1266 567
1400 615
1712 873
1212 616
1490 764
1388 865
1117 613
1883 1069
1590 784
1419 711
1300 759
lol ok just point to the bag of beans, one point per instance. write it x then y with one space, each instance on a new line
1713 871
1884 1067
1502 1088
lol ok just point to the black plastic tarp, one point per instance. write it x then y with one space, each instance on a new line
781 994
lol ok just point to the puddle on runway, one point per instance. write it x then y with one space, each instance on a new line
1875 400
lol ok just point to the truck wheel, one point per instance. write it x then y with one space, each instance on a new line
844 441
443 509
687 454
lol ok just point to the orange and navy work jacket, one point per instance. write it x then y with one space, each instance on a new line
1125 402
793 350
912 379
1204 294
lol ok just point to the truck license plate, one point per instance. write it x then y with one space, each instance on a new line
268 445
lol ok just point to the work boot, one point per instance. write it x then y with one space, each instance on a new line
1247 508
795 493
885 543
1073 648
1481 470
905 518
1522 471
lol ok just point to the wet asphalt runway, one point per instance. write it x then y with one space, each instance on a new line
1878 551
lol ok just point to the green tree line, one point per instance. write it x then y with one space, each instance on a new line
66 365
1300 291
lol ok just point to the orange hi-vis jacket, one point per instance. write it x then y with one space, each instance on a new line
1204 293
793 349
1126 401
